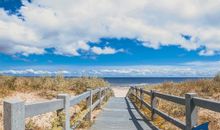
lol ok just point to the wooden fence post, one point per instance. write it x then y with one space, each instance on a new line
132 90
89 106
153 105
141 97
105 94
100 97
66 99
136 93
191 111
14 115
129 91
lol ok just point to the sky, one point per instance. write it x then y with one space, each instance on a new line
141 38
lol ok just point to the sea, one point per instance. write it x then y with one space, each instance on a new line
132 81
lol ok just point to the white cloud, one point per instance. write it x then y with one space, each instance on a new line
207 53
64 24
33 72
105 50
155 71
191 69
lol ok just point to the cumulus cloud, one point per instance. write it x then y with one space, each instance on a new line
33 72
155 71
105 50
190 69
68 25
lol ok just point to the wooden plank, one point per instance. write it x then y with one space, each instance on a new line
146 105
95 91
77 99
99 97
172 98
191 111
34 109
120 114
14 115
146 92
141 97
96 103
65 110
89 105
153 105
208 104
170 119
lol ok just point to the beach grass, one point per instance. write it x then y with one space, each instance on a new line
205 88
48 86
32 89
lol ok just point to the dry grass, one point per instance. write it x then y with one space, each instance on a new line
33 89
217 77
47 86
206 88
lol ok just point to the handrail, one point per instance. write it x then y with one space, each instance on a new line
172 98
34 109
191 103
15 111
208 104
77 99
146 92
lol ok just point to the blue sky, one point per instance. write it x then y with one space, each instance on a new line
109 38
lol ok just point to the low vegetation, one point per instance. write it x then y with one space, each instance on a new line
217 77
206 88
33 89
47 86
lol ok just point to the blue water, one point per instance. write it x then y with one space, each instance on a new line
126 81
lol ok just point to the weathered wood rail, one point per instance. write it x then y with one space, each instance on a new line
191 103
15 111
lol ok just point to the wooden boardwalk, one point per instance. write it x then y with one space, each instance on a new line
120 114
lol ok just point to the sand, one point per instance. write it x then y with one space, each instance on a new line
120 91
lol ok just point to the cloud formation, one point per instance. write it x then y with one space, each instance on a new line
105 50
33 72
68 25
191 69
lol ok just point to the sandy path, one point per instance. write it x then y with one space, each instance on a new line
120 91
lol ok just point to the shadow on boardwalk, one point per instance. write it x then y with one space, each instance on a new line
143 118
121 114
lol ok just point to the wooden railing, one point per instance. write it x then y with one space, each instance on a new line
15 111
191 103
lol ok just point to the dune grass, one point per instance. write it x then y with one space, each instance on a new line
206 88
48 88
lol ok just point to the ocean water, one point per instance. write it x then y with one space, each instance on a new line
129 81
